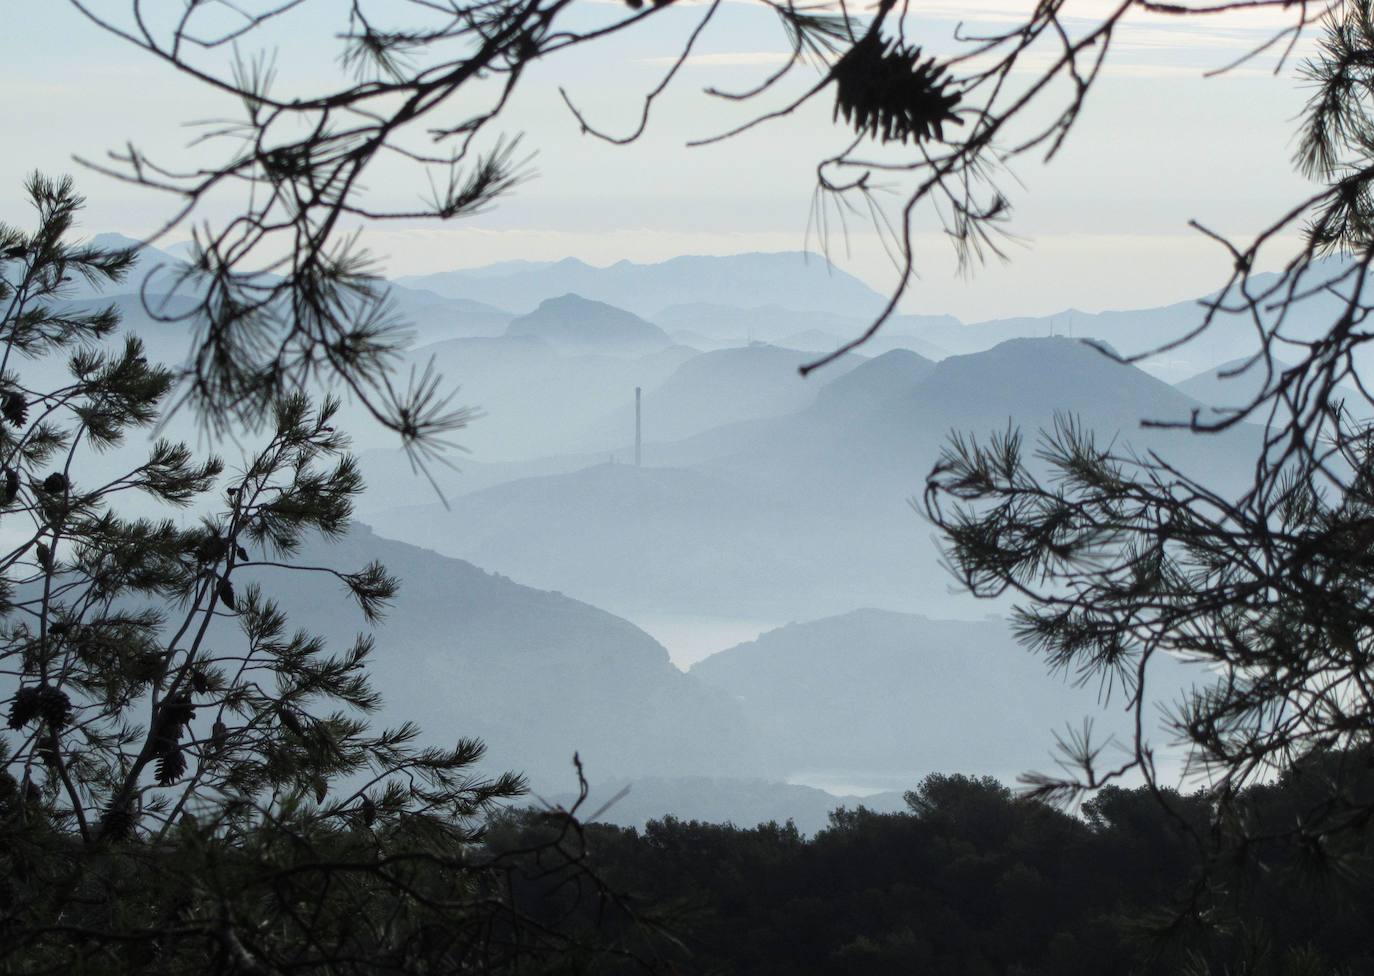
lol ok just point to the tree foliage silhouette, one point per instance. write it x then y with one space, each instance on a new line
428 85
1120 559
184 781
970 881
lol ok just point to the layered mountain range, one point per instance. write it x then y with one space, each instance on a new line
763 496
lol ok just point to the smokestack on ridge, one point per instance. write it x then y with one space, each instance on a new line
638 428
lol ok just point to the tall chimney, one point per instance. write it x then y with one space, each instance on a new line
638 429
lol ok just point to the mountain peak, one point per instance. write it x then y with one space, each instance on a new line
112 240
573 300
574 324
883 379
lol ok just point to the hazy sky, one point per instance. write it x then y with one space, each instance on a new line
1104 224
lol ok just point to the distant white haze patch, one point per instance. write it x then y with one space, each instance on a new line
848 783
690 638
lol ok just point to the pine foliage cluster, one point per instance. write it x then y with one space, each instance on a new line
1120 561
187 784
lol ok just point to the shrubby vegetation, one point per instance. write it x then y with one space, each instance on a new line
973 881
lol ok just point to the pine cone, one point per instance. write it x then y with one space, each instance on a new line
226 593
171 765
55 483
288 718
175 714
26 706
14 408
11 489
883 89
116 823
55 706
44 556
219 735
211 549
369 810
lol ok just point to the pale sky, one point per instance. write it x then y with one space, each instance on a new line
1105 225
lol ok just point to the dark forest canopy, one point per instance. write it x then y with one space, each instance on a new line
973 881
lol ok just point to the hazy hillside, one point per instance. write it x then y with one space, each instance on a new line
433 318
886 697
1027 379
804 514
1230 385
719 388
627 537
537 401
758 323
790 279
874 434
573 324
153 267
889 338
535 674
391 481
882 380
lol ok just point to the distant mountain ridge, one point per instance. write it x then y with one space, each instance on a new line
773 323
1140 332
791 279
804 513
792 298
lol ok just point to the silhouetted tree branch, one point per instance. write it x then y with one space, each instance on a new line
284 295
1121 561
